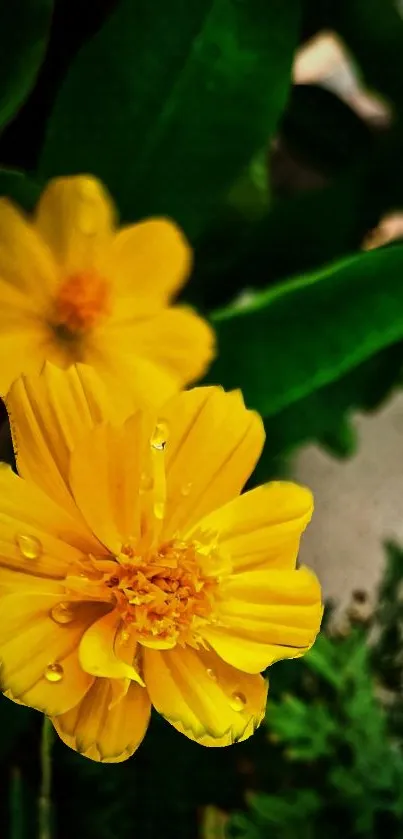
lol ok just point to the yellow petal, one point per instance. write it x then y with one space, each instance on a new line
37 537
213 445
264 616
105 733
21 351
48 415
176 340
26 264
126 375
151 259
202 696
75 217
97 652
263 527
39 656
17 308
105 478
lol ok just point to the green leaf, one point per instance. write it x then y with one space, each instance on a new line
297 233
170 101
271 810
22 189
324 414
302 335
24 28
308 729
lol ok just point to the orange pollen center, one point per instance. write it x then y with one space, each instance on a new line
164 596
81 301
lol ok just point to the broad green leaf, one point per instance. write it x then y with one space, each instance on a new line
170 101
304 334
24 28
323 416
297 233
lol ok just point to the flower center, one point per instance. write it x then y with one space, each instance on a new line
165 596
81 301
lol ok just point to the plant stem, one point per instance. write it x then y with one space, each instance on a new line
16 805
45 800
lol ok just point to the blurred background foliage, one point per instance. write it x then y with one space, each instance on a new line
201 110
332 760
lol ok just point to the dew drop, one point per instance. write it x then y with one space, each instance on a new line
29 546
211 674
146 482
160 436
186 489
159 509
54 672
238 701
63 613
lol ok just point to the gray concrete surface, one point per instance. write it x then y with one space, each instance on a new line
358 504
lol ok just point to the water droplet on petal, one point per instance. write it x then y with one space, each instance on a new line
63 613
124 636
146 482
160 436
29 546
211 674
54 672
159 509
238 701
186 489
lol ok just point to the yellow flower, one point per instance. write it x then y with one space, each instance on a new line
133 573
74 288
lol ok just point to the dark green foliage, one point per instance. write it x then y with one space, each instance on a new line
323 130
187 108
324 415
338 735
258 342
165 127
23 190
176 106
24 28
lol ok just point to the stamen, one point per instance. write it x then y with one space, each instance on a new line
82 300
162 595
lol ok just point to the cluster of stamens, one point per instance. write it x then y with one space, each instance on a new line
163 595
82 299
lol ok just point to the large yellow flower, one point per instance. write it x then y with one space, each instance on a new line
133 573
73 288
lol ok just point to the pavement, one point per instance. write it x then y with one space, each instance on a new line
358 504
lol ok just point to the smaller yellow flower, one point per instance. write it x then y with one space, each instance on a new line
133 573
74 288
